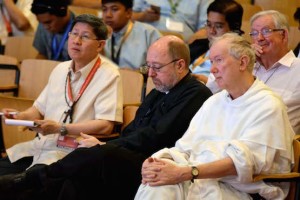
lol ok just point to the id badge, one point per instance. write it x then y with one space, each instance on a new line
67 142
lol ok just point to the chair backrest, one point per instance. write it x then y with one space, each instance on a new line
163 32
133 82
9 74
128 115
149 85
15 134
296 146
293 186
294 37
78 10
34 76
244 1
250 10
20 47
293 177
246 27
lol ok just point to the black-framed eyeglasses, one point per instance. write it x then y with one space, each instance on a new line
145 68
266 32
83 38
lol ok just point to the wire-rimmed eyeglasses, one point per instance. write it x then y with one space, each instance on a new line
266 32
145 68
84 38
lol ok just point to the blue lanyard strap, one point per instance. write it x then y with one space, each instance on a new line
57 51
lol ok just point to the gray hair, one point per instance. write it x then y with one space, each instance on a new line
279 19
238 46
99 28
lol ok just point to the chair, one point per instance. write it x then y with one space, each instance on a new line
9 74
128 115
246 27
20 47
294 37
78 10
15 134
34 76
244 1
293 176
163 32
250 10
149 85
288 8
133 83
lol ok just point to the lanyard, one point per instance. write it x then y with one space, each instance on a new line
200 60
174 5
6 21
68 90
128 30
57 51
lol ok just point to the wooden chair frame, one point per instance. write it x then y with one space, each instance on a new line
9 63
293 176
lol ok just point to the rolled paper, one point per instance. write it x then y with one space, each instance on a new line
16 122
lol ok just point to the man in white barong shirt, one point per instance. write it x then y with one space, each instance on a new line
96 111
238 132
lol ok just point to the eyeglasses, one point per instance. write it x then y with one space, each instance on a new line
145 68
266 32
83 38
218 26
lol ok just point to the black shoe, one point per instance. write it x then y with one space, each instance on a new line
12 182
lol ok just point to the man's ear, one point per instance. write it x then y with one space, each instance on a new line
181 65
285 35
129 13
244 61
101 44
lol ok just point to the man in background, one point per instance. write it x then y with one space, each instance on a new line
129 41
55 22
16 19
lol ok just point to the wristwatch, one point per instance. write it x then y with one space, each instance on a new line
63 130
195 173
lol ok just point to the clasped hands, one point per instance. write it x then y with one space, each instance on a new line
156 172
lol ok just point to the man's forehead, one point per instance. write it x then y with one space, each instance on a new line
265 20
219 47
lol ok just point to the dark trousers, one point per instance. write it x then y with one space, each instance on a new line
107 171
6 167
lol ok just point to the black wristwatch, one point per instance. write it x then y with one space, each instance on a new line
63 130
195 173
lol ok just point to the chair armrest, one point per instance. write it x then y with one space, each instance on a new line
277 177
131 104
4 88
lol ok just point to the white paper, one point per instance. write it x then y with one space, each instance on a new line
174 25
11 113
16 122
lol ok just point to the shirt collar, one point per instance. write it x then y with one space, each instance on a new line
121 32
86 69
287 59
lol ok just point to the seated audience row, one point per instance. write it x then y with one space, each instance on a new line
232 60
162 118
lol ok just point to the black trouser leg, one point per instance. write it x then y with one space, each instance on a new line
109 171
6 167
